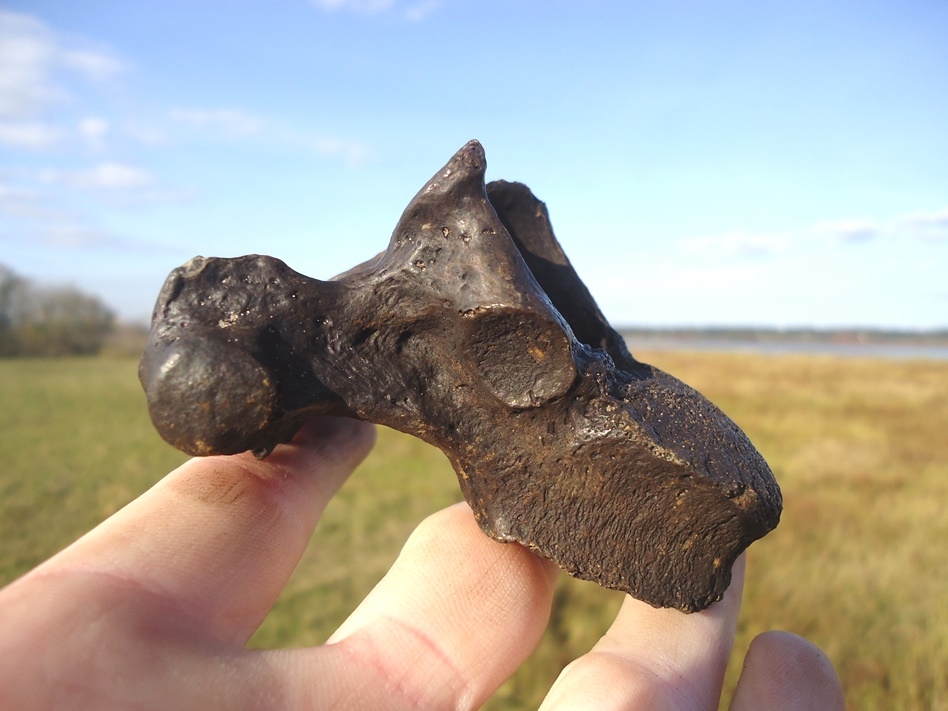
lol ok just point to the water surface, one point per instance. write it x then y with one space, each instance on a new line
896 351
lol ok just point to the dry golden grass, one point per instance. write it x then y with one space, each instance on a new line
857 564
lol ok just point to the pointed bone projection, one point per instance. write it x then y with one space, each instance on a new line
473 332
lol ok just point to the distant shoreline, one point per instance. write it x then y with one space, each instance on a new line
853 336
865 343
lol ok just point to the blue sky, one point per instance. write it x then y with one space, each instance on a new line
730 163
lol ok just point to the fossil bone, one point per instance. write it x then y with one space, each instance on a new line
473 332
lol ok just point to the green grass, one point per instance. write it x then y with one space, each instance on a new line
857 564
76 444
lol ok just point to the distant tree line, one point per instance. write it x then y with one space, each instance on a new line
49 321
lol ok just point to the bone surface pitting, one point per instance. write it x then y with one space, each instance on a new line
473 332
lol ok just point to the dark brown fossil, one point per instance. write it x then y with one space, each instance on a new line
473 332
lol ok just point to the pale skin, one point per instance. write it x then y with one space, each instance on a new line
153 608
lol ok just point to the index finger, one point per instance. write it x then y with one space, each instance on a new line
218 538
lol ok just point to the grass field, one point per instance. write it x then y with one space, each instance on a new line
858 563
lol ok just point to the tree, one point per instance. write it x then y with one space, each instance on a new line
44 321
11 294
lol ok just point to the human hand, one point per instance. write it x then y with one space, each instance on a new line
153 608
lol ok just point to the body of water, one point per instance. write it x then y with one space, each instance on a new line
897 351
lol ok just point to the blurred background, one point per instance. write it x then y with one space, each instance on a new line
755 193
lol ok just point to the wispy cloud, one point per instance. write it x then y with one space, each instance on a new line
746 244
104 176
41 221
412 11
150 133
93 64
18 202
73 233
51 105
93 130
420 10
931 226
361 6
849 231
29 135
233 123
32 56
928 227
230 124
351 152
35 67
72 236
117 183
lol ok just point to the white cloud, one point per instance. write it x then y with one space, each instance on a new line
93 129
148 134
32 56
351 152
12 200
236 123
74 232
27 52
741 243
849 231
929 227
71 236
118 183
419 11
30 135
367 7
93 64
105 176
414 12
41 220
231 122
18 201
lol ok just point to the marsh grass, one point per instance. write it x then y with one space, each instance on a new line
857 564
